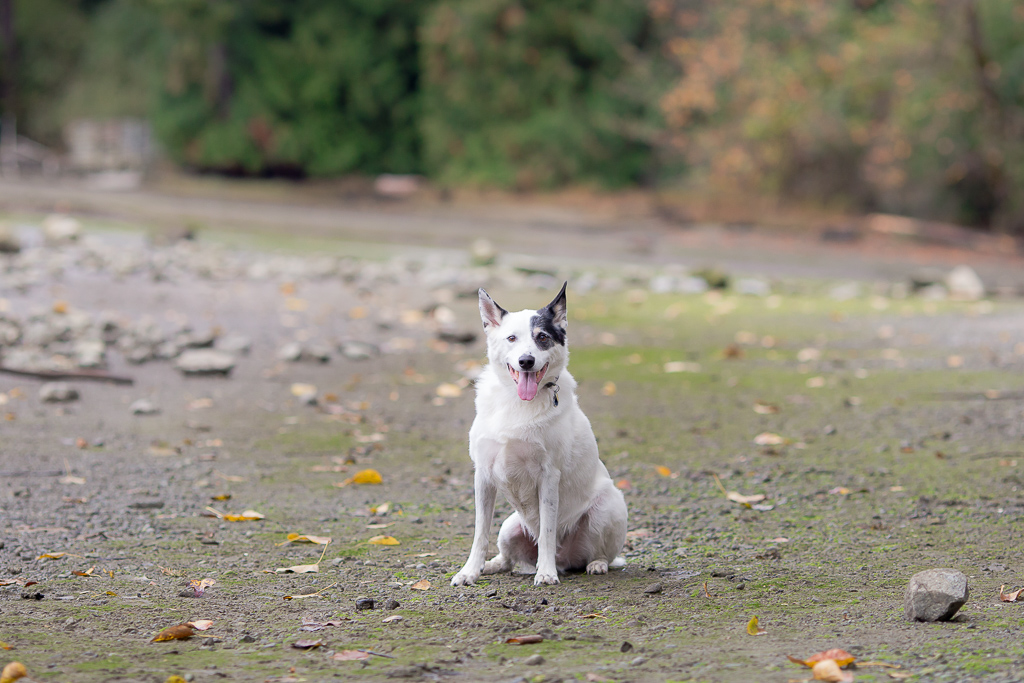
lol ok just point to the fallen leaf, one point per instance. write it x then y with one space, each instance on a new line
55 556
380 525
595 615
525 640
179 632
421 585
680 366
299 569
349 655
301 389
78 481
608 389
223 496
247 516
375 437
363 477
199 586
839 490
901 675
828 670
449 390
307 644
296 538
768 439
384 540
164 451
201 624
765 408
381 510
753 628
392 619
13 672
841 657
623 485
87 572
737 497
1011 596
815 382
5 646
665 472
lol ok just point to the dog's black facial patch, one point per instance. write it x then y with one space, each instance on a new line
545 333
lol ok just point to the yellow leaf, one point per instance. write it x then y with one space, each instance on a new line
363 477
13 672
223 496
663 471
608 389
753 628
179 632
247 516
5 646
175 679
296 538
420 585
384 540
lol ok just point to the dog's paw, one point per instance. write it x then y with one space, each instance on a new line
495 567
465 578
543 578
597 567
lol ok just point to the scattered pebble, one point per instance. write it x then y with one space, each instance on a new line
143 406
57 392
654 589
205 362
533 660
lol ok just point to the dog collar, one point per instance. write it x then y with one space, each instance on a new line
554 394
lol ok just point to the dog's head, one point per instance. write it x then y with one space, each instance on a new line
529 344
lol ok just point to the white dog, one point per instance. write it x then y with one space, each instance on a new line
531 441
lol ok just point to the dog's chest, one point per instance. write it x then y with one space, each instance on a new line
516 471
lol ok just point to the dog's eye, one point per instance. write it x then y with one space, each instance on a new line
542 336
511 338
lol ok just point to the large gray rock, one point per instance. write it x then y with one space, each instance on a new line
935 595
205 362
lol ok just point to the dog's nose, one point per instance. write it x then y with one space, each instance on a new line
526 362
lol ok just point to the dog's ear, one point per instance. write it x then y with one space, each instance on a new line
490 312
558 310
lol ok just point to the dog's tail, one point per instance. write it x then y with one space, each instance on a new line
618 563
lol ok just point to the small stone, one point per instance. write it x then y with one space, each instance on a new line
234 343
654 589
143 406
357 350
935 595
626 647
364 603
31 595
57 392
637 661
964 284
247 639
60 229
391 604
533 660
205 362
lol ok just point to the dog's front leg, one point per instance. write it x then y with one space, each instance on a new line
484 494
547 541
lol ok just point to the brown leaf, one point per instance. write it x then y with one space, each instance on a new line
525 640
87 572
421 585
841 657
350 655
307 644
299 569
1011 596
828 670
179 632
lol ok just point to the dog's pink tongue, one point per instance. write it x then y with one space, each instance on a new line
528 385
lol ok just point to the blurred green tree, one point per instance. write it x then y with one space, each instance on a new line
529 93
258 86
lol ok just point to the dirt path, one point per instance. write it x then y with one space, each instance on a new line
899 450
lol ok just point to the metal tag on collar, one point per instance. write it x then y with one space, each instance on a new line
554 395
